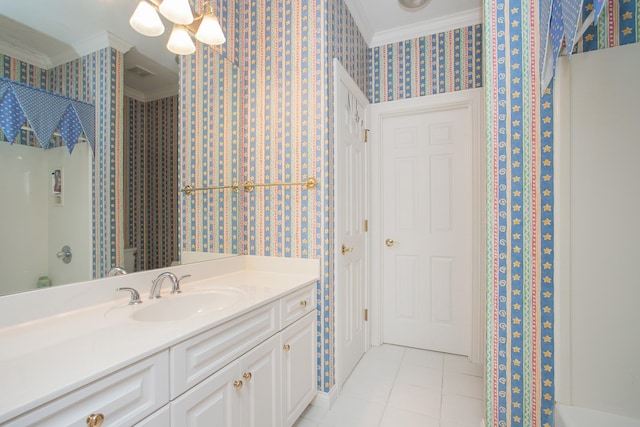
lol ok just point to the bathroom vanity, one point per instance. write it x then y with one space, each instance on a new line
236 348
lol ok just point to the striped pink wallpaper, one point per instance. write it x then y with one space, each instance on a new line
151 181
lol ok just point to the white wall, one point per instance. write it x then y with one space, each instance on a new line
598 232
23 217
32 231
71 224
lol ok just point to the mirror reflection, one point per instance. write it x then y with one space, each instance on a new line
120 205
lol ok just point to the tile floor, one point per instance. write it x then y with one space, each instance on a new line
396 386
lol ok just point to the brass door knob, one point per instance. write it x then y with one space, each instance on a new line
247 376
346 249
237 384
390 242
286 347
95 420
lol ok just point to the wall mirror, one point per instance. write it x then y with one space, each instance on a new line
57 33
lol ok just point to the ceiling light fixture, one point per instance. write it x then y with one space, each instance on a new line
205 27
413 5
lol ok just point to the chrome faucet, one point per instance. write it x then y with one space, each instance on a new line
116 271
157 284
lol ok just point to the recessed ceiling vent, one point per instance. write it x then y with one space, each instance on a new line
140 71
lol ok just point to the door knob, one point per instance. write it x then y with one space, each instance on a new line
390 242
346 249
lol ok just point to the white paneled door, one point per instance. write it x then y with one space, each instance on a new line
427 223
351 213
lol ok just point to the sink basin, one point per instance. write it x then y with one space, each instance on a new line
185 306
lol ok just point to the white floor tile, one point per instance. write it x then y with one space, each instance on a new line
420 376
461 411
463 385
353 412
426 358
395 417
395 386
412 398
368 387
373 367
303 422
314 412
462 365
388 352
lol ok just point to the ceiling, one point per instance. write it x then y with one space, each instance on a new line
385 21
51 33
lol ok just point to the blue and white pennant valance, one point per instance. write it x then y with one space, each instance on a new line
46 112
559 27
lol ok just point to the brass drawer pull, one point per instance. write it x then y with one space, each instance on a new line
303 303
247 376
286 347
95 420
237 384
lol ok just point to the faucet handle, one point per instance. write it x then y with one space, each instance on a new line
176 288
135 296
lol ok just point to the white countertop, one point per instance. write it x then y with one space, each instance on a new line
43 358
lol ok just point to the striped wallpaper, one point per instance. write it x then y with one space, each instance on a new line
289 137
95 78
436 63
519 209
151 181
619 24
520 317
210 137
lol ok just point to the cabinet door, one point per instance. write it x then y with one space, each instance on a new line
214 402
261 404
298 343
160 418
122 398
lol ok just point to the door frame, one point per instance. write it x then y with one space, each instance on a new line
340 74
473 100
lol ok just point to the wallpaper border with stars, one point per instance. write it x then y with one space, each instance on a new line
519 220
619 24
437 63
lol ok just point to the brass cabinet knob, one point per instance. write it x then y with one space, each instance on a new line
286 347
303 303
95 420
345 249
237 384
247 376
390 242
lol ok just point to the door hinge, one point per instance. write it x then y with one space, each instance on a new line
366 314
366 135
366 225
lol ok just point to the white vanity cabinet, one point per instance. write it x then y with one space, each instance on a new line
252 366
299 347
244 393
270 385
122 398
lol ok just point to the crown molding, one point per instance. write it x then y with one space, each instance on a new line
153 95
76 51
90 45
360 17
33 58
431 26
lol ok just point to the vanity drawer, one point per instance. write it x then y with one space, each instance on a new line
123 398
195 359
297 304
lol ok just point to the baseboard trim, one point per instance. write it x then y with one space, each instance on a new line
325 400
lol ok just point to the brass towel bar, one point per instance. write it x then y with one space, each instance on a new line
248 186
